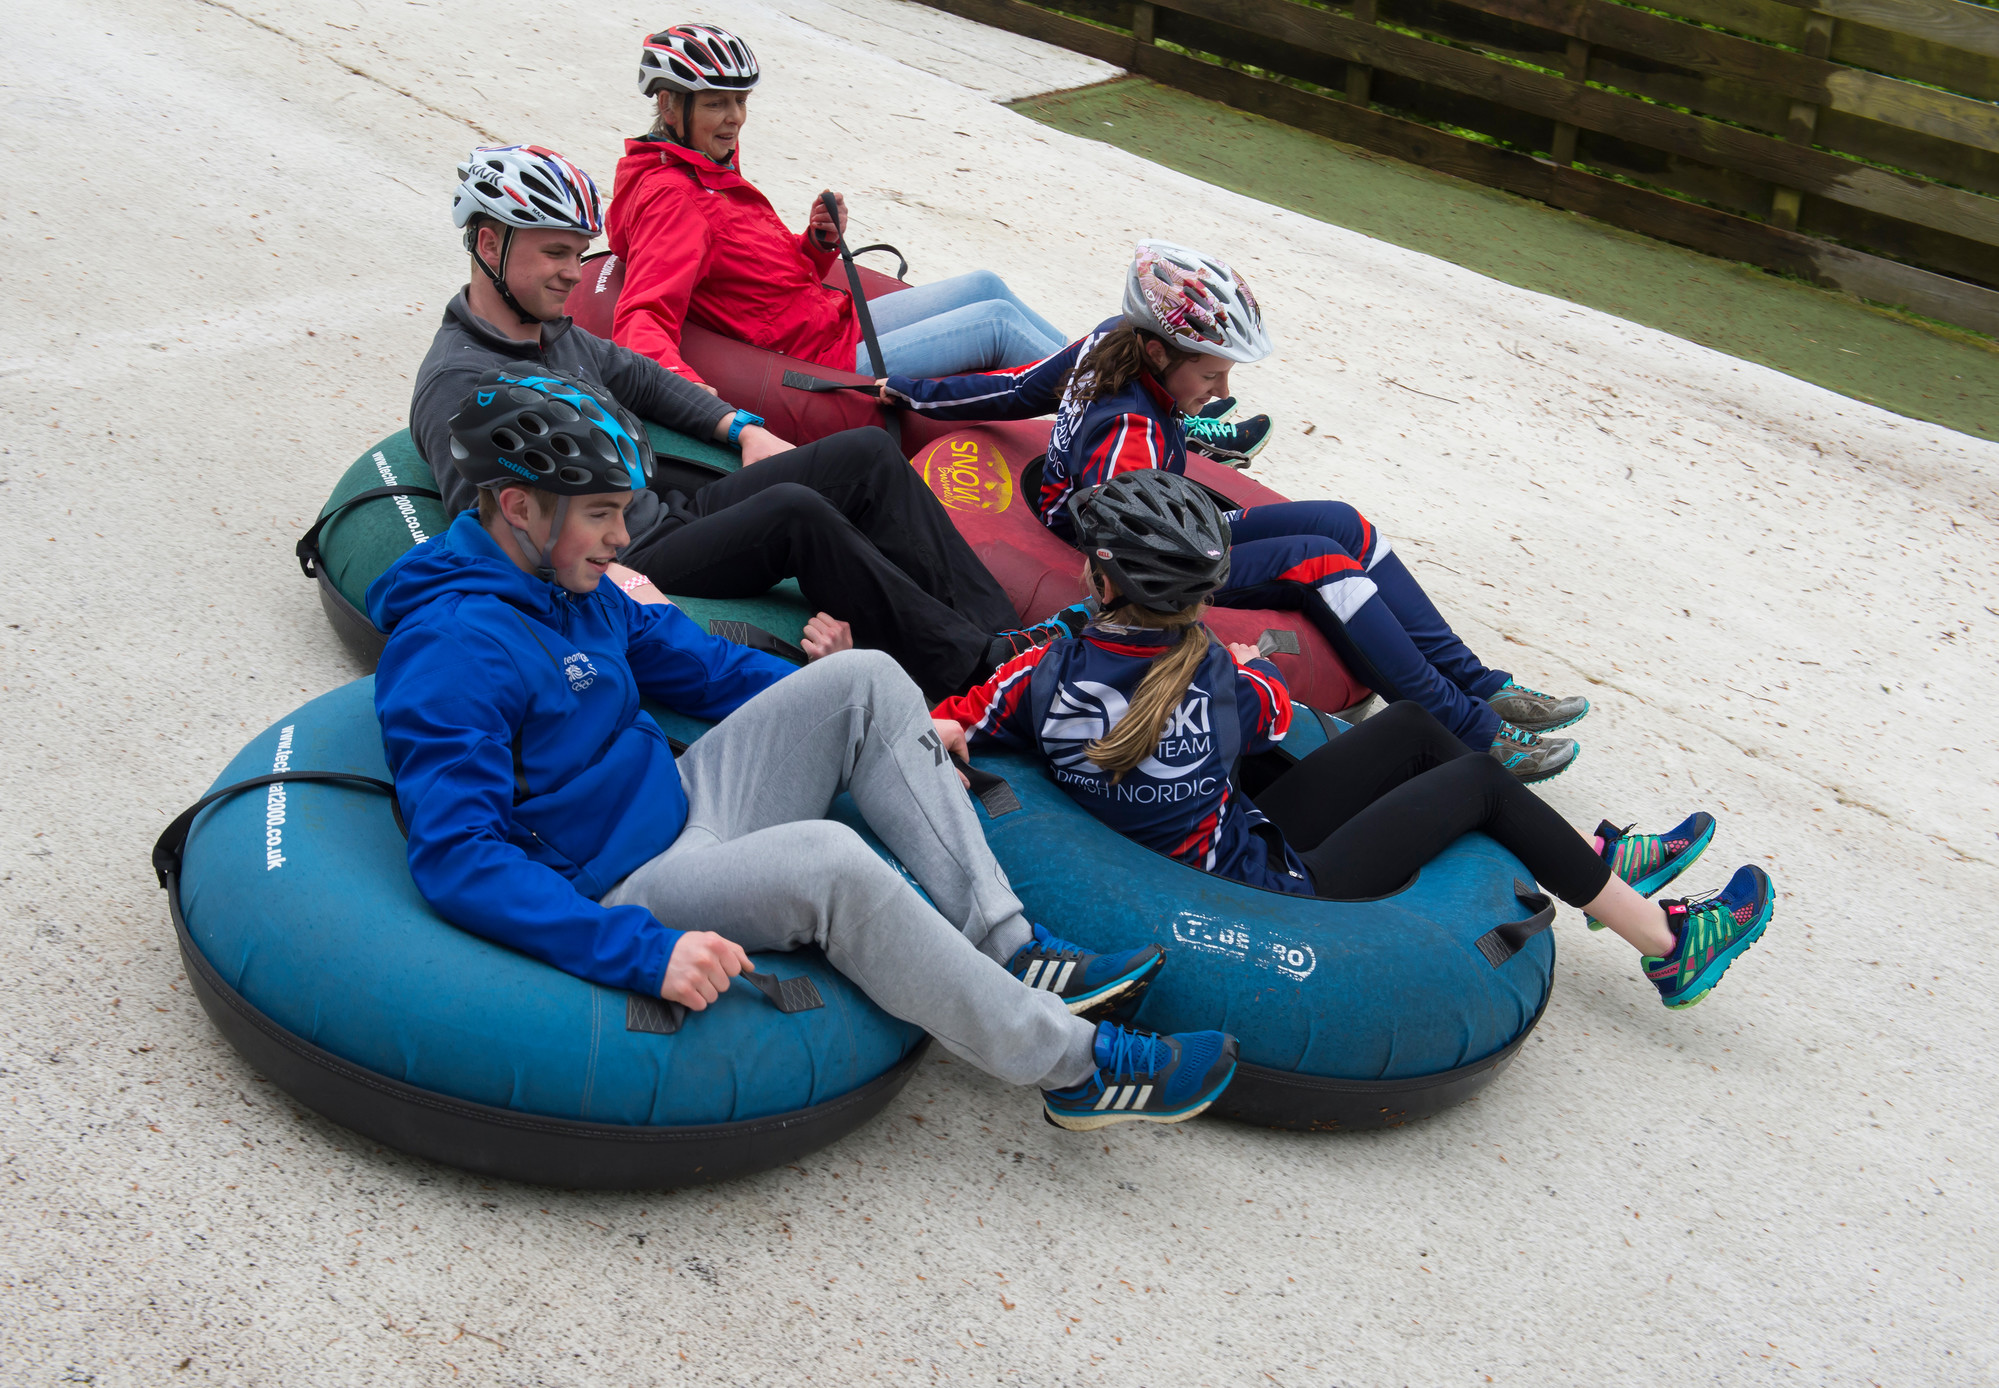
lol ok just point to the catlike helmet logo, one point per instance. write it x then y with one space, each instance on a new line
486 397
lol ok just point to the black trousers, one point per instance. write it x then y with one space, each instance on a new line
865 538
1376 803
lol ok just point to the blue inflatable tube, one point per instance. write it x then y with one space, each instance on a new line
313 954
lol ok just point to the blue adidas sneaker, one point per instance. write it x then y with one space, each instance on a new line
1092 985
1142 1078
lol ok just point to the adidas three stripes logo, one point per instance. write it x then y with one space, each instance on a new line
1051 974
1123 1096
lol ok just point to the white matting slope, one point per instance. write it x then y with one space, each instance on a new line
227 244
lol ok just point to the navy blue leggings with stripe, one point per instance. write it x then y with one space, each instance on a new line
1324 558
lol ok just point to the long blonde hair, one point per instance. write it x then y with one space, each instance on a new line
1159 693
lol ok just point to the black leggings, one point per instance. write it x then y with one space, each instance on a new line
867 541
1377 802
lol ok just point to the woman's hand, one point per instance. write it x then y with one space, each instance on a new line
823 228
700 967
1244 654
952 735
759 443
825 634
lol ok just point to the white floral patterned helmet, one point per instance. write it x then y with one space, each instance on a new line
1194 301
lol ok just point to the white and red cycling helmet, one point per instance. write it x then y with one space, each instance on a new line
1194 301
690 58
522 187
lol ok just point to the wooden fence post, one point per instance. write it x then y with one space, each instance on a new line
1803 121
1575 66
1141 27
1360 78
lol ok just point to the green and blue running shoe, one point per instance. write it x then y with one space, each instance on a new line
1648 862
1070 621
1535 712
1218 409
1143 1078
1091 985
1712 932
1233 444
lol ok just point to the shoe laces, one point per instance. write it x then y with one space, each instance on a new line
1133 1053
1201 427
1519 735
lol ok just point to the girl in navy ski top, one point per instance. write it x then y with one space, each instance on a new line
1122 397
1143 717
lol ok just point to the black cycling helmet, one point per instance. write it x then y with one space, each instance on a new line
522 424
1155 534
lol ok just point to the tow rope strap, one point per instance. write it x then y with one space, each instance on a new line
662 1017
993 791
172 842
893 425
1502 942
757 639
307 548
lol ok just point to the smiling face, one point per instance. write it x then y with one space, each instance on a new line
593 531
1192 381
717 119
543 266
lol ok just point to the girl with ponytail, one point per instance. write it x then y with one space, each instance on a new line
1143 717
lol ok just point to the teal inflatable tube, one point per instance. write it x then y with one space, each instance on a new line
313 954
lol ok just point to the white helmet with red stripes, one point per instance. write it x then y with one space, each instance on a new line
1194 301
527 186
690 58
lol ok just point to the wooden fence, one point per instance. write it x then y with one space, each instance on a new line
1852 142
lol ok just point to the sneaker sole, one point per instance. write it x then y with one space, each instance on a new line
1707 978
1090 1120
1115 993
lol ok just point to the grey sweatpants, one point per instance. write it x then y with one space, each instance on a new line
759 864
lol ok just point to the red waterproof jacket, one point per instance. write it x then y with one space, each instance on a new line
701 245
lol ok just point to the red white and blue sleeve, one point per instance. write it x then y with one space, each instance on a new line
1020 392
996 713
1264 702
1122 443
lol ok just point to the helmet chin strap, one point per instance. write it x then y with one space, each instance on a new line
542 555
499 276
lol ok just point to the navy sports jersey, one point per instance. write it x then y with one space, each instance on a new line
1137 427
1061 697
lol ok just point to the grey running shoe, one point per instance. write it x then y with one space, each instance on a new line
1532 757
1535 712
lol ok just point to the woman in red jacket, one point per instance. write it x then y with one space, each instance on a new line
702 245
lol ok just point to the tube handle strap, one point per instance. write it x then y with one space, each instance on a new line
901 260
757 639
307 548
664 1017
172 843
1502 942
992 789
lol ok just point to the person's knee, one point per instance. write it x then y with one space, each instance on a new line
855 877
1411 719
791 504
870 678
985 284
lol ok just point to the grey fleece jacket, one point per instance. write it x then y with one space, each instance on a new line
467 347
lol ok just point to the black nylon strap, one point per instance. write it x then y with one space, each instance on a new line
993 791
1278 641
891 422
307 548
172 842
798 380
901 260
1502 942
757 639
661 1017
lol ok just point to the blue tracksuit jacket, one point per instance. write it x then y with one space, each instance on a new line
530 778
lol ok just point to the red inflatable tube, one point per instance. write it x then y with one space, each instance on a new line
975 470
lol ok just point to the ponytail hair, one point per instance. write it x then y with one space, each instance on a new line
1159 693
1116 361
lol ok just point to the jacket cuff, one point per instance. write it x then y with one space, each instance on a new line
822 260
661 951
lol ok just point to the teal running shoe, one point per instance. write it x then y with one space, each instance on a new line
1530 756
1712 932
1648 862
1091 985
1233 444
1535 712
1143 1078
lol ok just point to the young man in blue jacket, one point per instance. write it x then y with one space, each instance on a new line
546 810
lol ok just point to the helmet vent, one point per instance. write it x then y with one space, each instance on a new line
564 445
507 441
532 423
575 476
540 461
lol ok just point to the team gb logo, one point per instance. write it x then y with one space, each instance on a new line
582 674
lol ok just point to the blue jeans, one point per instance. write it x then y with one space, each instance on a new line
966 323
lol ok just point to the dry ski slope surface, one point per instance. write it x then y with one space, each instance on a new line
226 226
